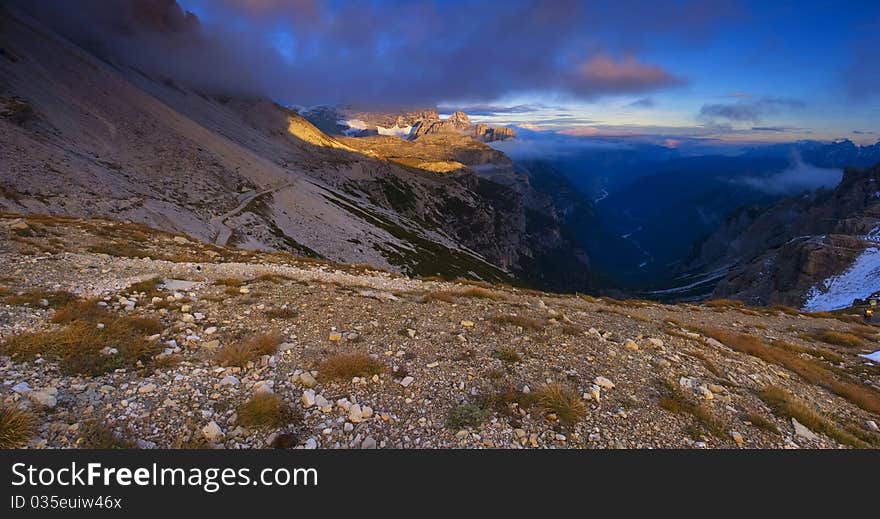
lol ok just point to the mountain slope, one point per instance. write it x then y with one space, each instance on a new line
84 135
814 251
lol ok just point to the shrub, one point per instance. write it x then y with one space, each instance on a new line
97 435
349 365
16 427
467 415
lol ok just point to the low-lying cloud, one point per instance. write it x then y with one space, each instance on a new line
798 178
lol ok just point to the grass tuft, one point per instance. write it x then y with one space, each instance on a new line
281 313
346 366
16 427
83 348
784 403
561 400
262 410
810 370
507 355
229 282
240 353
526 323
55 298
844 339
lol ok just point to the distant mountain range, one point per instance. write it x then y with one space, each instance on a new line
406 124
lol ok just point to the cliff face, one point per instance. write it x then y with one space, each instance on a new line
792 252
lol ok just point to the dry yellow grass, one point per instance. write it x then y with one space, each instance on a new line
229 282
527 323
810 370
55 298
346 366
564 402
674 401
240 353
16 427
281 313
262 410
783 402
80 310
80 345
723 303
150 287
844 339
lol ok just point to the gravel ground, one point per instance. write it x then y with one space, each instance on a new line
440 355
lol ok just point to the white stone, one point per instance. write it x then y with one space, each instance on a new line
264 386
406 381
43 398
22 387
308 398
604 383
230 380
212 432
306 379
802 431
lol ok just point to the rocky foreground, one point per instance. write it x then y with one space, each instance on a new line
117 335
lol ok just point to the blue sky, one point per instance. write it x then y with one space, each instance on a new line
738 71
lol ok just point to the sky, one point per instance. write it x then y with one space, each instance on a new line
737 71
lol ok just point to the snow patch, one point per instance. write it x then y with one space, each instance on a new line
356 125
859 281
875 357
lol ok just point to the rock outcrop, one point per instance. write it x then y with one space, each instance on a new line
782 254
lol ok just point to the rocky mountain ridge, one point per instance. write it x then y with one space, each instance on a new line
791 252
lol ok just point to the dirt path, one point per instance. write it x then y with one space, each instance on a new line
224 232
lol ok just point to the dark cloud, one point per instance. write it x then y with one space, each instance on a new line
159 38
485 110
396 53
645 102
746 111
